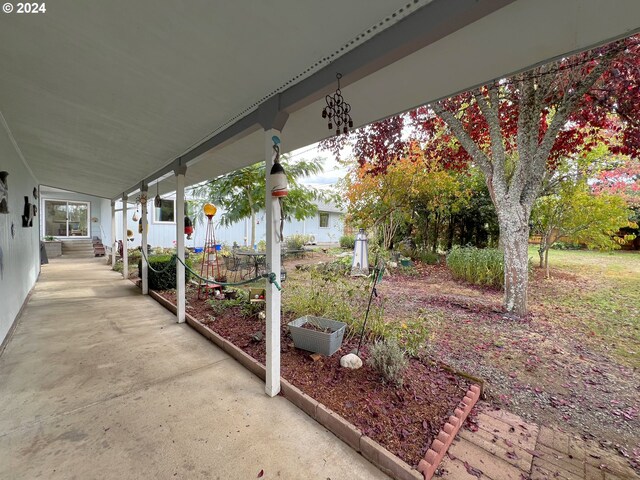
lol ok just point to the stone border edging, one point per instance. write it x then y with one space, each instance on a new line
375 453
443 441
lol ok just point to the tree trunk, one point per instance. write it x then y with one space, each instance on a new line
450 232
546 261
436 232
515 240
541 253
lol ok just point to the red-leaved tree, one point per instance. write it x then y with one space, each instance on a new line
515 130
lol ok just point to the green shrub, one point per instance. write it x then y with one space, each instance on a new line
297 241
426 256
478 266
348 242
388 359
167 279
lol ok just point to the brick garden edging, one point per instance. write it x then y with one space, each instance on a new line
442 442
335 423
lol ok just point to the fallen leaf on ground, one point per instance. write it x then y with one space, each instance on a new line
473 470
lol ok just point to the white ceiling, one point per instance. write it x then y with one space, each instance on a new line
100 95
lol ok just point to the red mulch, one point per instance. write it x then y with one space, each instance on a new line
404 420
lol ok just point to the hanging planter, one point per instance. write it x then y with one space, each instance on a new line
317 334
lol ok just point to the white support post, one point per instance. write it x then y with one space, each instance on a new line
114 242
272 207
179 215
125 250
145 267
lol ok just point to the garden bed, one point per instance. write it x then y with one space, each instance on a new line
405 420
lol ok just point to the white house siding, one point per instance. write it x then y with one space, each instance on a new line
20 253
164 235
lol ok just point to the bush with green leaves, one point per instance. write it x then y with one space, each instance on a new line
480 266
348 242
426 256
297 241
166 280
388 359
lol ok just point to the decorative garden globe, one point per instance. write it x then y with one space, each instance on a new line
209 209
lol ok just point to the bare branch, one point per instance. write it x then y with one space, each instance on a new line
491 114
464 138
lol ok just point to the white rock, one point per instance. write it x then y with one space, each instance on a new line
351 361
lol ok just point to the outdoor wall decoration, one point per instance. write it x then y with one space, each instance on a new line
28 213
35 192
4 193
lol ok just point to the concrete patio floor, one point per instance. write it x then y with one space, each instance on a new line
99 381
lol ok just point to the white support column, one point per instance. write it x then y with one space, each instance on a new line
114 242
145 230
125 255
179 213
272 208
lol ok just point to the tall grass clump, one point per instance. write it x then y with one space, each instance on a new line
480 266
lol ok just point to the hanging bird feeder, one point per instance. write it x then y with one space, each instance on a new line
278 176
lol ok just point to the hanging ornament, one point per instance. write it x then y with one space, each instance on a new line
140 226
337 111
157 201
188 227
279 182
135 215
278 177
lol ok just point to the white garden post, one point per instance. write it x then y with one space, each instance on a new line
114 242
272 207
179 218
125 256
145 266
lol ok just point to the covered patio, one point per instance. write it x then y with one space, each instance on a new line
120 100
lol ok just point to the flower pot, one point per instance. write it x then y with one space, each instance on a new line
326 343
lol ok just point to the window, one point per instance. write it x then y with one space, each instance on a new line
324 220
166 212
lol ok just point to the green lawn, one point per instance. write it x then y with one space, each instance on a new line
606 297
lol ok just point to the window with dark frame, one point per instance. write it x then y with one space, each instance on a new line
166 212
324 220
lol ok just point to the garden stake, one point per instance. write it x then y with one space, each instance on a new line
376 273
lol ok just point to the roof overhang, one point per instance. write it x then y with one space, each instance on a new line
103 96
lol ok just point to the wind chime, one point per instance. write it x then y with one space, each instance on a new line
337 112
210 267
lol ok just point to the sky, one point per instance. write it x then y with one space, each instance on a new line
332 170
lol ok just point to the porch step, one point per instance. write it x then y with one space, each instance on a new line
77 248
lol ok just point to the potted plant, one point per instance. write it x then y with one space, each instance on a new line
317 334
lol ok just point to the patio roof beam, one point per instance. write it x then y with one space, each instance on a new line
425 26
